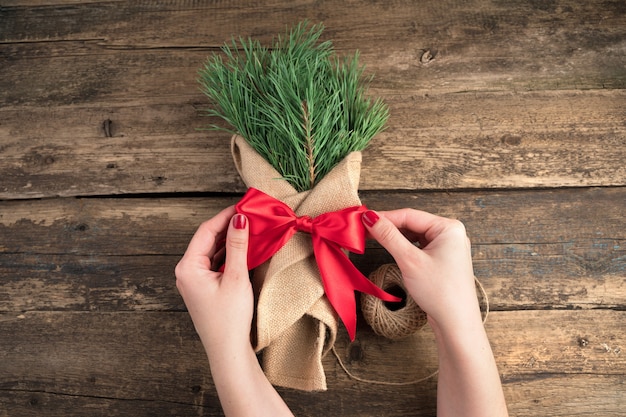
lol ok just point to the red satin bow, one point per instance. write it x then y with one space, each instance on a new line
273 223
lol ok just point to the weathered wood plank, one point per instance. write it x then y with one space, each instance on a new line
111 360
485 44
482 140
84 283
548 342
566 396
537 250
80 72
548 396
111 61
16 403
83 72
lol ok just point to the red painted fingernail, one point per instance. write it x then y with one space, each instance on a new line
370 218
239 221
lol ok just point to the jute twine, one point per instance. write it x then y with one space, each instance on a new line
385 321
394 321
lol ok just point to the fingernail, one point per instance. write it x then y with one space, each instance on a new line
239 221
370 218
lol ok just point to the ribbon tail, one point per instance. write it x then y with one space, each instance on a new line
340 279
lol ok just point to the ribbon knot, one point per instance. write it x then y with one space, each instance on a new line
304 224
273 223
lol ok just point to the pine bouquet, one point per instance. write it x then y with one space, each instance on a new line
298 105
300 118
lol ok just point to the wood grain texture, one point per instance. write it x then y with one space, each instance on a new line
461 141
498 104
532 249
59 360
539 45
508 115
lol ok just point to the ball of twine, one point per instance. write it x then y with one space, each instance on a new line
392 320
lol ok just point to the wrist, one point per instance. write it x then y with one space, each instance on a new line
462 330
228 350
230 363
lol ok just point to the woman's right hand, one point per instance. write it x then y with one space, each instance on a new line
439 277
438 274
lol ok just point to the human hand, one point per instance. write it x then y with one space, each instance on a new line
438 275
220 304
221 307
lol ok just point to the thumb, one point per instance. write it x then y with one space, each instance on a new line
388 235
237 246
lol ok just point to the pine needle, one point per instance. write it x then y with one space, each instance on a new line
297 104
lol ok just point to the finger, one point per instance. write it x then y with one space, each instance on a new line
418 224
408 234
203 242
237 246
388 235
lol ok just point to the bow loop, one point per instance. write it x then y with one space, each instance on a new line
273 223
344 227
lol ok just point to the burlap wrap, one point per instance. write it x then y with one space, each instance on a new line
295 324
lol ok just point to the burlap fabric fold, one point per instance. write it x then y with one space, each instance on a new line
295 324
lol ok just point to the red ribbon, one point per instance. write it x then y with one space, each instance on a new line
273 223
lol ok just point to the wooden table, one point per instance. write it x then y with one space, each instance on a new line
510 116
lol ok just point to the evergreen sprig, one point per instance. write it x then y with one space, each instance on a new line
297 104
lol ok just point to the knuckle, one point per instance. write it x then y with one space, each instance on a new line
181 270
456 227
179 285
237 243
179 280
385 233
178 270
204 225
184 267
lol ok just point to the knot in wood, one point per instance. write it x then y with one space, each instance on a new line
304 224
427 56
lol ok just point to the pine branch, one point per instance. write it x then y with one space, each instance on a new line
297 104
